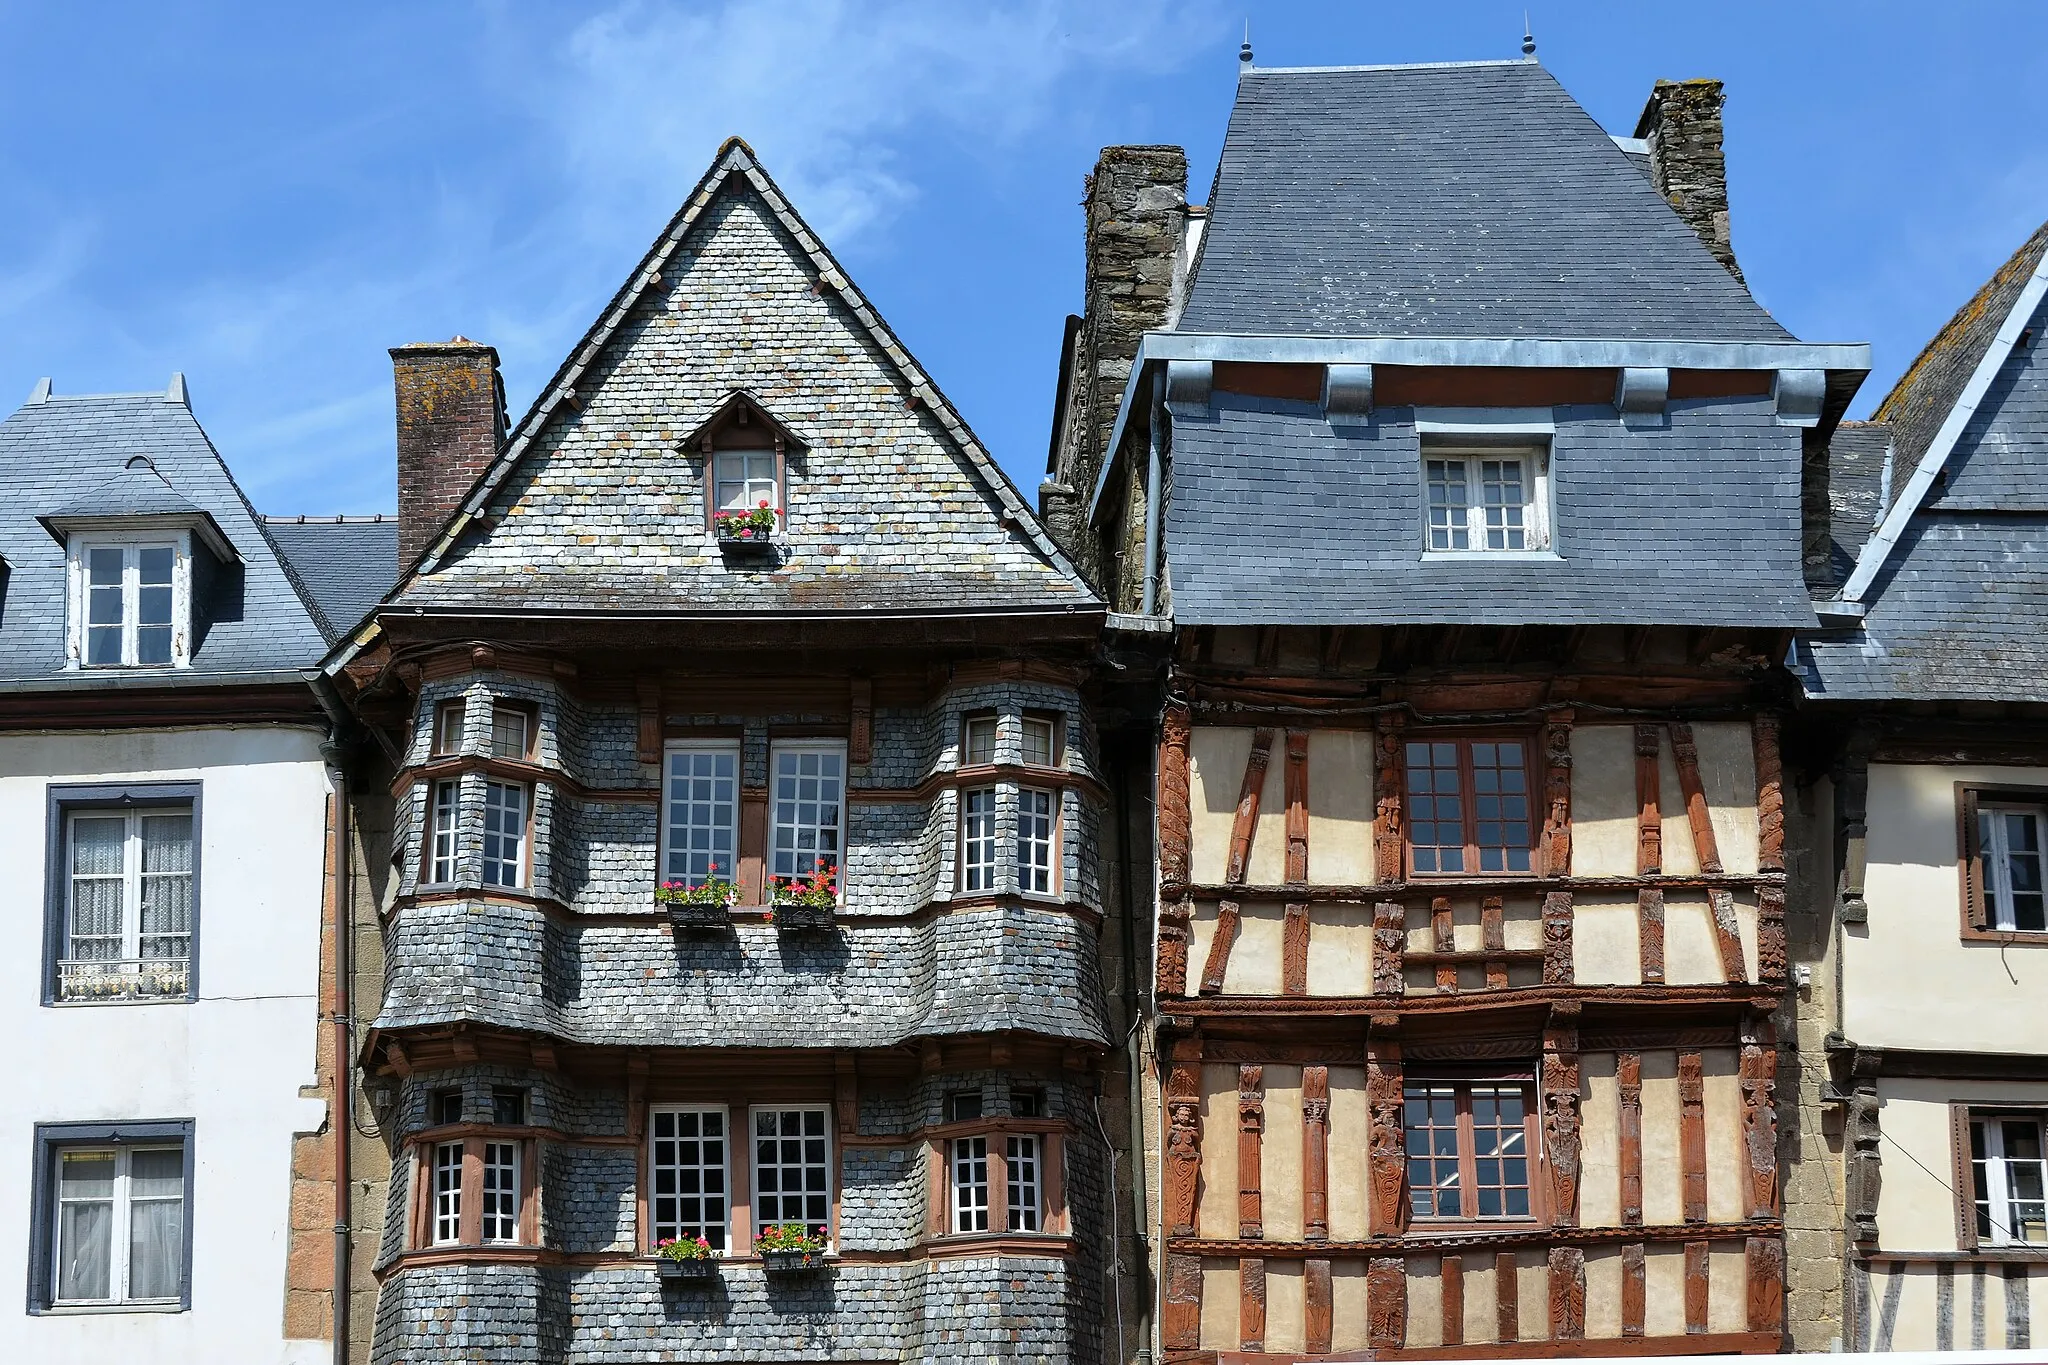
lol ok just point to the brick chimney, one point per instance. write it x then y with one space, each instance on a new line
1136 202
451 419
1682 124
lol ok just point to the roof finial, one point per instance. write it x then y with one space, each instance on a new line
1528 38
1244 53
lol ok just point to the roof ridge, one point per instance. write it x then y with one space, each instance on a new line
1386 66
327 519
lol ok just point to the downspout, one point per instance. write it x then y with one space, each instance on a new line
335 751
1156 437
1133 1056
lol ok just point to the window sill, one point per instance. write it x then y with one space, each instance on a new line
2014 938
127 1003
79 1310
1482 556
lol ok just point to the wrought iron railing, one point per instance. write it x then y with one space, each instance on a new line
160 978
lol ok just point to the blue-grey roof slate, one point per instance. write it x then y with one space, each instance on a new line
62 449
345 564
2000 463
1277 516
136 489
1858 488
1473 199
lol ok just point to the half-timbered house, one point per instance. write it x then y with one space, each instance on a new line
1467 475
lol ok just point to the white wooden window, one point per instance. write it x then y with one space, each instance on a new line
130 601
700 826
978 839
2009 1169
441 832
809 796
119 1230
448 719
980 744
793 1168
447 1191
970 1184
128 904
744 479
504 834
501 1192
1486 500
2011 840
1036 816
1039 736
1022 1178
511 735
687 1164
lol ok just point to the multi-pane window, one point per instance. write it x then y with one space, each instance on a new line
501 1192
810 788
511 732
119 1229
508 1107
1484 500
1468 1149
687 1164
447 1194
744 479
979 744
1468 802
128 904
700 827
444 1106
128 593
504 834
448 719
970 1184
978 839
1039 741
2010 842
1020 1174
792 1168
1034 839
441 832
2009 1177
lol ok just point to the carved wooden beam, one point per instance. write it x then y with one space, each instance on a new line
1296 785
1507 1297
1557 786
1389 825
1267 650
1567 1293
1770 795
1446 942
860 735
1386 1303
1649 801
1692 1136
648 692
1294 950
1759 1077
1180 1319
1451 1277
1628 1073
1251 1128
1251 1303
1765 1264
1315 1153
1389 940
1220 944
1557 938
1318 1319
845 1093
1386 1151
1696 1283
1246 822
1687 754
1772 965
1561 1113
1183 1137
1634 1290
1728 937
1333 646
1176 829
1493 939
1650 934
1174 934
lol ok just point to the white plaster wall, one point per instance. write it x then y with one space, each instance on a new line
1909 978
232 1061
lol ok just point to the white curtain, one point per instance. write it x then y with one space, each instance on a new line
96 848
166 925
85 1224
156 1223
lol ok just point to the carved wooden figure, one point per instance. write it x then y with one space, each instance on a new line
1389 942
1557 938
1386 1150
1315 1153
1180 1321
1174 936
1759 1077
1557 789
1183 1140
1766 1274
1251 1128
1251 1303
1318 1304
1771 953
1567 1293
1493 939
1649 801
1445 931
1386 1303
1294 951
1650 932
1561 1113
1770 795
1696 1284
1176 834
1634 1289
1389 820
1628 1071
1692 1136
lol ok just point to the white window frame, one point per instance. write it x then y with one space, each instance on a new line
1038 843
120 1219
78 546
731 830
444 1209
493 873
1024 1195
776 824
449 718
978 840
444 821
1997 1168
501 712
1995 848
970 730
681 1227
831 1168
748 483
131 965
967 1174
1533 451
1051 728
500 1155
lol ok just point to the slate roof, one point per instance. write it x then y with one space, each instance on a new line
346 564
63 452
1460 200
136 490
1859 490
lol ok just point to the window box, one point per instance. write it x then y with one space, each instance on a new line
747 544
705 906
697 1269
792 1262
804 904
799 917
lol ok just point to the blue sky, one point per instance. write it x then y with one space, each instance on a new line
269 197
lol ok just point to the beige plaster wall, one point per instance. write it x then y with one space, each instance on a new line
1606 939
1915 1210
1909 1296
1599 1144
1216 759
1604 801
1350 1129
1909 978
1339 947
1340 807
1216 1190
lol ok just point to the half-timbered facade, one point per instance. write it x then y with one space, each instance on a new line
1467 474
748 811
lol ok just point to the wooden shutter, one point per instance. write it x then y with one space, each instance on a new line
1970 848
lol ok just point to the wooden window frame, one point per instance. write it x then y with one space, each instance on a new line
776 749
529 719
430 860
1054 1217
65 801
1467 818
1970 870
665 831
1056 824
1057 722
78 549
1540 1214
50 1141
471 1138
1964 1181
754 1220
439 743
524 862
968 722
731 1195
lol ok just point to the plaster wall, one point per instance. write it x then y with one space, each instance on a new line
1915 1210
232 1061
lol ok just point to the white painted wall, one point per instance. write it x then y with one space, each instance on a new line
232 1061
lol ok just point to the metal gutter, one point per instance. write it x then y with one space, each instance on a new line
101 680
1153 480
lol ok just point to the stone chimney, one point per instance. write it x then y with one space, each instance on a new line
451 419
1682 124
1136 202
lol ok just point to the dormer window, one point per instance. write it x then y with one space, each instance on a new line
131 592
744 480
1485 494
745 454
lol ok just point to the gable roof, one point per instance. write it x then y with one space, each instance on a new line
1470 199
345 564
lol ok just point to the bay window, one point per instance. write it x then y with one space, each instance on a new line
505 811
1037 812
474 1183
808 796
978 839
700 821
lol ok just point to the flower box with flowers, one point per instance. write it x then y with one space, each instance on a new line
685 1258
747 532
787 1248
804 904
704 906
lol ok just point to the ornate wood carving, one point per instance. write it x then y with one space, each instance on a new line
1246 822
1317 1319
1697 815
1251 1128
1389 941
1251 1304
1174 933
1296 778
1386 1303
1567 1293
1220 944
1557 938
1695 1288
1865 1175
1557 785
1389 825
1176 829
1692 1136
1628 1073
1771 955
1728 937
1766 1277
1180 1320
1634 1290
1650 934
1294 951
1315 1153
1759 1076
1446 942
1852 829
1507 1296
1770 795
860 735
1386 1152
1452 1279
1649 801
1561 1113
1183 1139
1493 939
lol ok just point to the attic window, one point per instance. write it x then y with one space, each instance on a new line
1485 498
130 600
745 453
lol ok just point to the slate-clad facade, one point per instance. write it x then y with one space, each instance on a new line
588 695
